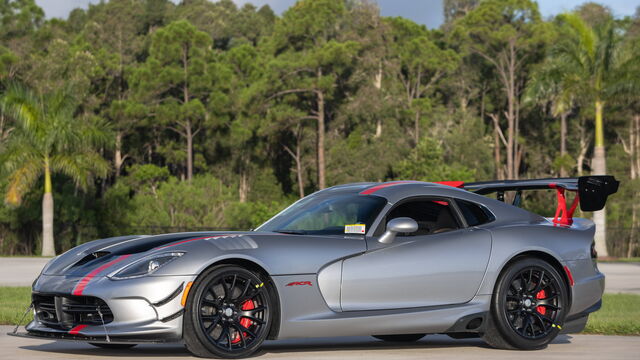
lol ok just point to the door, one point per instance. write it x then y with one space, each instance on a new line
442 263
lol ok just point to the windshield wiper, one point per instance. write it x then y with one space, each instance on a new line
293 232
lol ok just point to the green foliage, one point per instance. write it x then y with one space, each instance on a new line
200 203
426 163
207 114
48 138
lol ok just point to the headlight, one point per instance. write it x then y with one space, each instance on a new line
146 265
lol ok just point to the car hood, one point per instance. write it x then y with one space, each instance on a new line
92 255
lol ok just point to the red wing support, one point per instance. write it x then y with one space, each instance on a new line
564 216
591 192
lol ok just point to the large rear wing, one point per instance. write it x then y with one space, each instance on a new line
591 192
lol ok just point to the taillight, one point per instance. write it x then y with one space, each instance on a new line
594 253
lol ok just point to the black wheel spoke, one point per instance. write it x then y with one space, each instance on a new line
539 285
233 285
528 316
213 324
245 289
243 340
220 315
244 329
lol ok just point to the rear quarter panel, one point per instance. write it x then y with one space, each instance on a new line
570 246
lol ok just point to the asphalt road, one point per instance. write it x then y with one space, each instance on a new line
621 277
21 271
565 347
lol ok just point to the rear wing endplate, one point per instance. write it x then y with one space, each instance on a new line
591 192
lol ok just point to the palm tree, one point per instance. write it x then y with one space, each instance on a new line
47 138
595 70
548 86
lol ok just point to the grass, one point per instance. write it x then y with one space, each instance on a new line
620 313
623 260
13 303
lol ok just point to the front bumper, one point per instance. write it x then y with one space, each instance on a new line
146 309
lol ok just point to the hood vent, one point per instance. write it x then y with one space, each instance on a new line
90 257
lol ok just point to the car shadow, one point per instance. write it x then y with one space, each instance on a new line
353 343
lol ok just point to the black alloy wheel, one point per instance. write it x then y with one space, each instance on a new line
528 306
229 312
533 303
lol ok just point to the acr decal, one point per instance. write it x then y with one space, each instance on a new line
300 283
355 229
76 330
79 288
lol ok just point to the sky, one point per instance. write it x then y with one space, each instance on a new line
428 12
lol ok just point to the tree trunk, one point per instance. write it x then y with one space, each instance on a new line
584 146
417 128
189 134
299 170
496 153
48 246
599 167
321 134
563 142
117 158
378 85
632 235
244 186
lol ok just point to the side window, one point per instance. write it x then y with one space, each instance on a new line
474 214
432 216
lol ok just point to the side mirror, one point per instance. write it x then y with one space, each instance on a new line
398 225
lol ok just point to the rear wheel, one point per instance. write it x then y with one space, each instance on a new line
228 313
400 338
528 307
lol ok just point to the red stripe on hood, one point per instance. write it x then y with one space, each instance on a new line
79 288
186 241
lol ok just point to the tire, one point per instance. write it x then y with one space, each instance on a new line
228 313
400 338
526 313
113 346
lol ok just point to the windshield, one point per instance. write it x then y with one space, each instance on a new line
327 215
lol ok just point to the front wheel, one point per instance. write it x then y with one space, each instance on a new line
528 306
228 313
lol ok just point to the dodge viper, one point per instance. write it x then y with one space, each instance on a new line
395 260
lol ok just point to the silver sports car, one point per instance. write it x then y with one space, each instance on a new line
394 260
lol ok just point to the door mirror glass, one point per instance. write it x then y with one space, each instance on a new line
398 225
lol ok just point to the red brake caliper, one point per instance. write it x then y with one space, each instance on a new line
541 309
247 305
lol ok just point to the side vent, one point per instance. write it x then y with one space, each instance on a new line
232 242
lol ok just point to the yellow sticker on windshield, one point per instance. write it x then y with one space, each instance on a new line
355 229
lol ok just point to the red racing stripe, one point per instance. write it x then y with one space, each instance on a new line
85 280
371 190
76 330
186 241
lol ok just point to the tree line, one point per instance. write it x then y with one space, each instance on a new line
145 116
